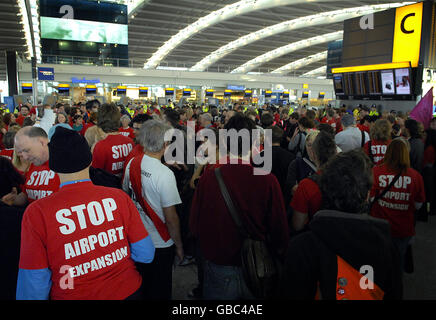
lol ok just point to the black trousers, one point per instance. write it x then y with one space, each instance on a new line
157 276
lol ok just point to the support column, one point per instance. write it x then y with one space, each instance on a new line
11 72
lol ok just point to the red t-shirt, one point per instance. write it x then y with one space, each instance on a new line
111 153
85 127
331 122
338 125
378 150
8 153
363 128
398 204
82 234
307 198
40 182
20 120
429 156
129 132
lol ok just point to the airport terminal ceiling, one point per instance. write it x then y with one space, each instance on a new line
163 32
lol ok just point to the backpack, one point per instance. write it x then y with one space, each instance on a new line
303 170
260 268
349 281
101 177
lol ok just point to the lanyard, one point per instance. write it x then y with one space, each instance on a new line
72 182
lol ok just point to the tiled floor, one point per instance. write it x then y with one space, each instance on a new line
420 285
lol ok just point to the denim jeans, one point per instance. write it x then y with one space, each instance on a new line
401 245
224 283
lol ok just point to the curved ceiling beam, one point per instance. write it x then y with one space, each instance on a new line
302 22
294 65
227 12
319 71
292 47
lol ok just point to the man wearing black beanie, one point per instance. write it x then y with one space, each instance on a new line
81 242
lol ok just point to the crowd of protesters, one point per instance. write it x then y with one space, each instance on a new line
91 208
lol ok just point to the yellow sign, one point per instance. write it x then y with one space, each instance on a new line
371 67
305 86
407 34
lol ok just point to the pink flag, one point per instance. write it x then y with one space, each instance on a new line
423 111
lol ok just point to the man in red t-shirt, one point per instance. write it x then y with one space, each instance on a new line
137 123
110 153
81 242
32 144
24 112
330 118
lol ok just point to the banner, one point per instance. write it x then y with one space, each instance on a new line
423 111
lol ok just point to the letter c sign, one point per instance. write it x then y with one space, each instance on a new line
407 34
403 28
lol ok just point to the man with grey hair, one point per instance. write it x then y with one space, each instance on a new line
351 137
205 120
31 143
152 187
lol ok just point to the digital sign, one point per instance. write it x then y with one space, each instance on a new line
82 30
143 91
402 81
389 80
388 83
46 74
169 92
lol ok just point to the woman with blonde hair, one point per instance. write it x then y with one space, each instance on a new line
397 192
20 164
380 135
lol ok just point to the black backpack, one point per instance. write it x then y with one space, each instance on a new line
101 177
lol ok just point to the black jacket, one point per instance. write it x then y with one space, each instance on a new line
10 235
358 239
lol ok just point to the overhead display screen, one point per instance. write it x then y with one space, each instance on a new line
338 84
402 81
361 87
81 30
388 83
374 86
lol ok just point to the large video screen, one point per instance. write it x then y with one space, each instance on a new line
402 81
81 30
388 83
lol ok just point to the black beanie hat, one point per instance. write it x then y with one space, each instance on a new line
68 151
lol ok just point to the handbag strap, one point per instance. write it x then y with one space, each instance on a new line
230 205
379 196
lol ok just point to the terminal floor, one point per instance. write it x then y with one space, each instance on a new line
421 285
